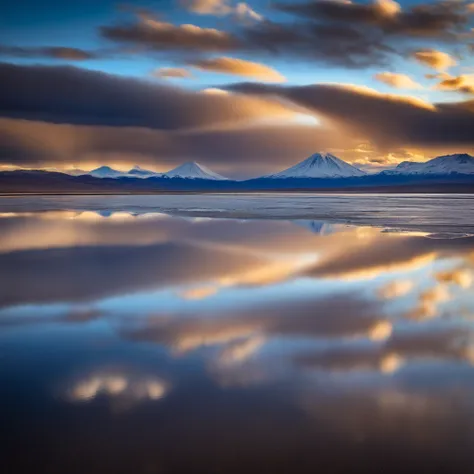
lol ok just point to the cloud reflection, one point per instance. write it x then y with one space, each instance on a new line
117 385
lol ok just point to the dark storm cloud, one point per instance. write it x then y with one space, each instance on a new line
433 19
387 119
80 96
54 52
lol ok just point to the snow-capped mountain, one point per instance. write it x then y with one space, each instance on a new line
193 170
106 172
320 165
138 172
442 165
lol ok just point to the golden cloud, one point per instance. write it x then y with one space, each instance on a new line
434 59
396 289
399 81
172 72
463 83
240 67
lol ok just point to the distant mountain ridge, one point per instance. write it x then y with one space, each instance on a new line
193 170
442 165
319 165
450 173
189 170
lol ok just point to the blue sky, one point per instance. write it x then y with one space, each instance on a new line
315 48
75 24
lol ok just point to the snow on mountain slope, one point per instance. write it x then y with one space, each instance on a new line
320 165
442 165
106 172
138 172
193 170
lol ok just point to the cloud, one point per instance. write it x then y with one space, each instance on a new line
240 351
54 52
117 385
121 120
434 59
396 289
79 96
102 271
344 316
158 35
172 72
461 276
401 348
328 43
199 293
347 359
355 35
239 67
463 83
387 120
433 20
246 14
429 302
207 7
244 149
241 11
370 257
399 81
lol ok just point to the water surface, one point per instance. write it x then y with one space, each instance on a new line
200 334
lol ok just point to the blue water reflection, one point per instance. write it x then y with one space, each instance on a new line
151 343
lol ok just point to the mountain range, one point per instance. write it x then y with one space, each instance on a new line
189 170
449 173
317 166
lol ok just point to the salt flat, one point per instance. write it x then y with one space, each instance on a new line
433 213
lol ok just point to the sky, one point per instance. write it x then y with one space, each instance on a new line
245 88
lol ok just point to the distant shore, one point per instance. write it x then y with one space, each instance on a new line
443 189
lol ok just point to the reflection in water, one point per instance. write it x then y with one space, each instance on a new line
142 342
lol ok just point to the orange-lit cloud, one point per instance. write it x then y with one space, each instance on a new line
149 31
434 59
399 81
396 289
172 72
117 385
387 120
240 67
199 293
429 302
463 83
462 277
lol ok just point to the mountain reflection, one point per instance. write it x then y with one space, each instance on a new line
143 342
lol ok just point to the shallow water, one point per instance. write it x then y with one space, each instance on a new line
147 335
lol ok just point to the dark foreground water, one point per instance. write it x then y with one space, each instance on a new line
135 341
